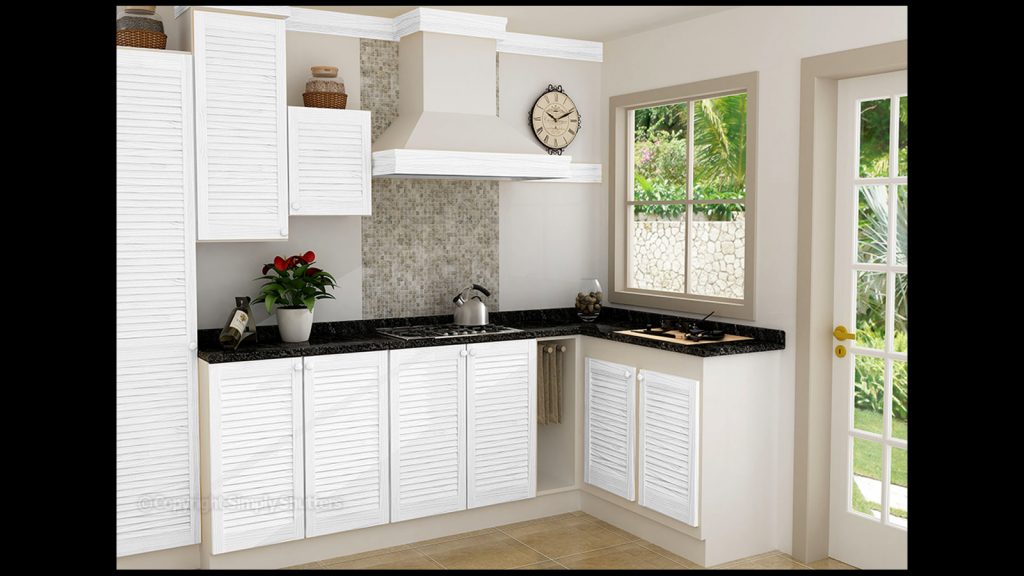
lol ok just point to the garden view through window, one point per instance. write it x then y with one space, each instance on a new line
686 226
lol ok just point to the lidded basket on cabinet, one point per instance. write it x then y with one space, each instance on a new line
324 89
140 27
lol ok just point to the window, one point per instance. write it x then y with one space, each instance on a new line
682 207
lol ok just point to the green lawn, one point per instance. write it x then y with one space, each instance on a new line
867 460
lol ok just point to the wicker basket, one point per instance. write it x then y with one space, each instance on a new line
142 39
324 99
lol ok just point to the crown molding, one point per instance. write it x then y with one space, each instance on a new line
449 22
340 24
551 47
424 20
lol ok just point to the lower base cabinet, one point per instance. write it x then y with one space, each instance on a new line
666 450
346 438
301 447
255 471
463 427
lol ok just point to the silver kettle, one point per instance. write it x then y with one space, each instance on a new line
471 312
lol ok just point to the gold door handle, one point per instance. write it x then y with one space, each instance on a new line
842 334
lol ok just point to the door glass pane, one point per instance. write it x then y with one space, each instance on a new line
866 495
720 148
899 337
719 242
659 152
872 224
899 399
901 226
871 310
903 136
868 393
874 138
898 488
658 247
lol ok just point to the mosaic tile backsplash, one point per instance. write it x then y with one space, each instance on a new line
426 239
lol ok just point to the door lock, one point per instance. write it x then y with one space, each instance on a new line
840 351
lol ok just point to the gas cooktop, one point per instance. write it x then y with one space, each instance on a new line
435 331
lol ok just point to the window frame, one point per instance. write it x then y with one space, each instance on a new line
620 172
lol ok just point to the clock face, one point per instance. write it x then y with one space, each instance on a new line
555 120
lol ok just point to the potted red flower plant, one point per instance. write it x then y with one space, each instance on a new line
296 286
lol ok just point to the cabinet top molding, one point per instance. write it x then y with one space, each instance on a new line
424 20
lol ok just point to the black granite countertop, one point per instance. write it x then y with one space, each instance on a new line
361 335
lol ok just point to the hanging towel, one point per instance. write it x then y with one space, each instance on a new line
549 384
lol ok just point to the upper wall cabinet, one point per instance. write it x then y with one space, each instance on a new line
329 161
241 127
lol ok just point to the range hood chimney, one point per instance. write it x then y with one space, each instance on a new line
447 125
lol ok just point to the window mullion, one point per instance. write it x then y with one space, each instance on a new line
688 233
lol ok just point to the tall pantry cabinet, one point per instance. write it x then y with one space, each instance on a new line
157 465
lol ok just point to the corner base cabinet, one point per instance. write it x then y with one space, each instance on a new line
157 460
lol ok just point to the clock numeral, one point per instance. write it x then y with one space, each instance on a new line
536 117
538 130
545 139
571 131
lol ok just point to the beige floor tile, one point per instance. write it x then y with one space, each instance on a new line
830 564
774 562
362 555
545 565
623 557
401 560
564 536
670 555
486 551
460 536
629 536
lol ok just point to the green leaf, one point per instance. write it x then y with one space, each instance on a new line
309 301
270 299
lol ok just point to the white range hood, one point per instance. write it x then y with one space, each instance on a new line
447 125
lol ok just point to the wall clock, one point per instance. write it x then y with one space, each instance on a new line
555 119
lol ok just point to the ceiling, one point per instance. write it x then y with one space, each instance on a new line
598 23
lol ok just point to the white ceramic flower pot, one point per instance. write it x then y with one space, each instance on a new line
294 323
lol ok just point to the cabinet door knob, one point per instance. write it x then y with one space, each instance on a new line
192 346
472 352
295 205
284 231
310 364
625 374
463 353
298 366
640 377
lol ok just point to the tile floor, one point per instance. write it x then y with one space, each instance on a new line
572 541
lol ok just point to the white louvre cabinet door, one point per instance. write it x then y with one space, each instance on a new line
241 127
157 458
669 409
428 431
501 422
609 437
256 463
328 161
346 413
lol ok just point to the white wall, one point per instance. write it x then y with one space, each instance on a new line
226 269
770 40
550 235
